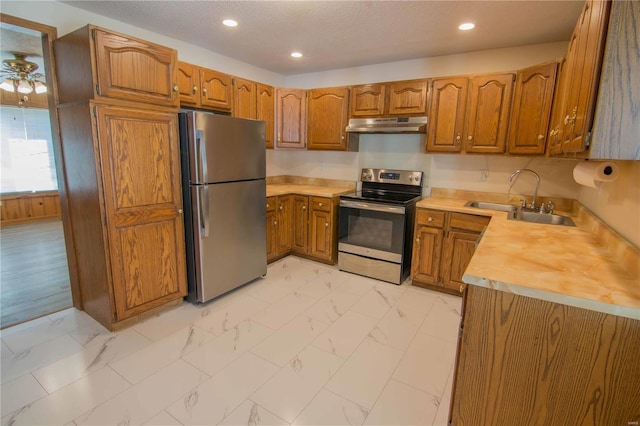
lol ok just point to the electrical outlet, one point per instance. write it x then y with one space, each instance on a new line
484 174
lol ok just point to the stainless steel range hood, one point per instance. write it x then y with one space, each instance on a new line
388 125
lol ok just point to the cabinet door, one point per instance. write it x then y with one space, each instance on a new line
408 97
532 109
291 118
264 110
554 137
272 229
427 250
140 165
188 84
135 70
368 100
458 249
488 116
447 114
284 214
328 117
584 57
217 90
244 98
300 224
322 222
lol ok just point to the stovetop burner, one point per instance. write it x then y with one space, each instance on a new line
381 196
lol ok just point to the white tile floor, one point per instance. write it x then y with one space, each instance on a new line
307 345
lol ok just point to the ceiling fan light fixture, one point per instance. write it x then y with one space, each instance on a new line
24 87
296 55
7 85
39 87
230 23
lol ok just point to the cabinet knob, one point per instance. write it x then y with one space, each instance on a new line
304 207
279 139
470 137
176 88
458 139
430 219
275 222
326 225
342 137
418 240
280 207
461 288
195 89
204 90
540 137
179 211
267 205
320 204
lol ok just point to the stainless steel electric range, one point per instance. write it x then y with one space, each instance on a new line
376 224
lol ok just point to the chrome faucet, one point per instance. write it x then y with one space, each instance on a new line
512 179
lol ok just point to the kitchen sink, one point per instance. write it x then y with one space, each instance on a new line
491 206
549 219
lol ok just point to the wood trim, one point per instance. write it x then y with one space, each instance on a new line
48 35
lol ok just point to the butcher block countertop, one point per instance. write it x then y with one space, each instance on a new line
282 185
588 266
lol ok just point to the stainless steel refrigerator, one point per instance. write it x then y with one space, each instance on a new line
224 189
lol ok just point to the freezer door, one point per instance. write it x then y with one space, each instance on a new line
230 236
226 149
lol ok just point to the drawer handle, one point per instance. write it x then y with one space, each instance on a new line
430 219
321 204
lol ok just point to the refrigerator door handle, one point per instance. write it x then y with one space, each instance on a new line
201 154
203 210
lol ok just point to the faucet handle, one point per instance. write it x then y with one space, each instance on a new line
523 204
550 206
542 208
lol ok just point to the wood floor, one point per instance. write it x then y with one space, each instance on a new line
34 275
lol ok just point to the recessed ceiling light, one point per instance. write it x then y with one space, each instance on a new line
230 23
296 55
467 26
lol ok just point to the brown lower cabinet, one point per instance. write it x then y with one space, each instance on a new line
525 361
443 246
302 225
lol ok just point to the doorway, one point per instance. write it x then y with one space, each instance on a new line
36 271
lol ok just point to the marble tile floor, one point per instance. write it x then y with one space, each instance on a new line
306 345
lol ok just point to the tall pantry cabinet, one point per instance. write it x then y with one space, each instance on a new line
118 103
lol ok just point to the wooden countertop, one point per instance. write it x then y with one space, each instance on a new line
566 265
303 189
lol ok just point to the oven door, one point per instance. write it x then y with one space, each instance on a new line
374 230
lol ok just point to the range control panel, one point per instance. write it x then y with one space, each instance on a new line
404 177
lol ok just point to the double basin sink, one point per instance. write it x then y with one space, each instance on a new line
516 213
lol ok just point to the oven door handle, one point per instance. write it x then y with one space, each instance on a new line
386 208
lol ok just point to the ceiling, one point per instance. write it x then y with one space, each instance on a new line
340 34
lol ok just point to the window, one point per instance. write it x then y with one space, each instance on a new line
26 150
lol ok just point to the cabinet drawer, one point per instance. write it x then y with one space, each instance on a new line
468 222
321 204
433 218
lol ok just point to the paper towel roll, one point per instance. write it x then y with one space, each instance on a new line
593 173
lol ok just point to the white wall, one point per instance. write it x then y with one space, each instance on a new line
67 19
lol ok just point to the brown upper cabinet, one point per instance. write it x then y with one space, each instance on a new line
580 76
532 102
291 118
470 114
244 98
204 88
122 68
327 119
265 110
406 98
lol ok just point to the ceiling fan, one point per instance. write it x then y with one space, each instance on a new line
18 74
